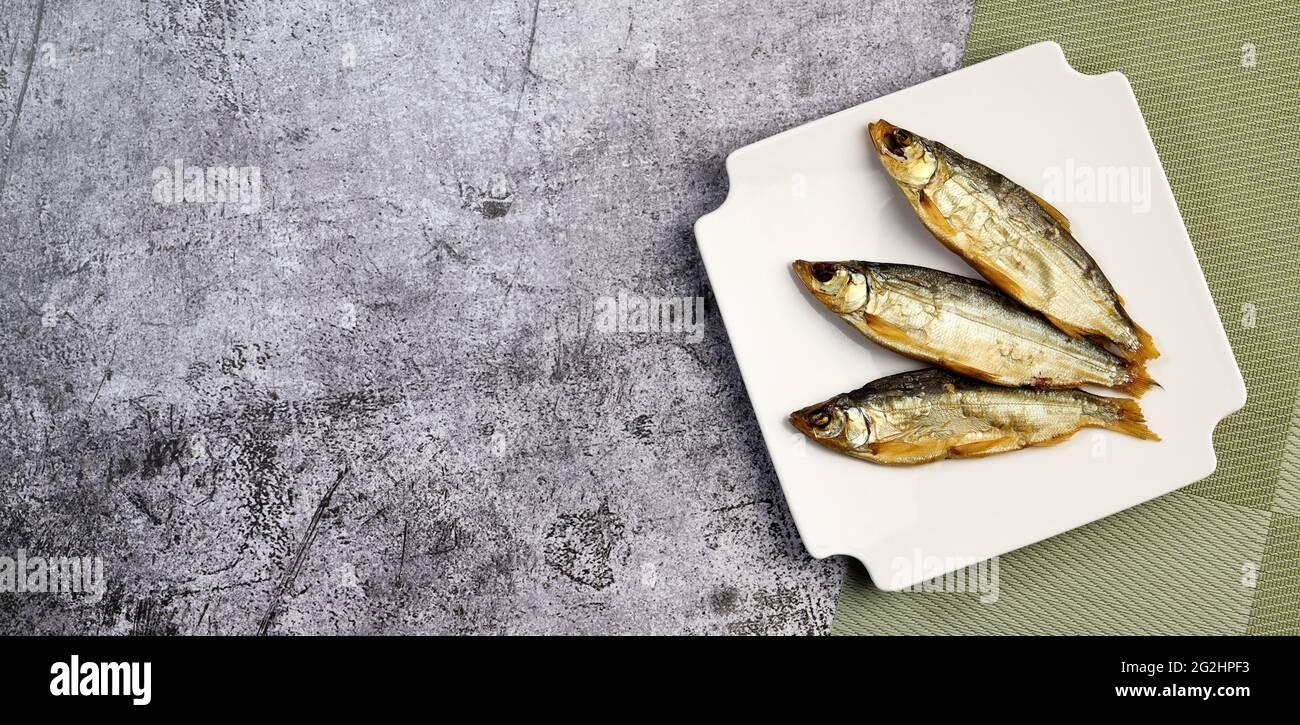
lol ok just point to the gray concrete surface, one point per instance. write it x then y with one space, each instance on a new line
380 401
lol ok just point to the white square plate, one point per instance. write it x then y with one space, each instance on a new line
817 192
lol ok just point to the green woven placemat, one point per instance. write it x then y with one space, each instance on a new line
1219 84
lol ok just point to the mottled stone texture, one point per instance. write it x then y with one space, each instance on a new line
379 402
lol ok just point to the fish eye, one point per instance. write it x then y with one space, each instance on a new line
898 141
823 272
820 418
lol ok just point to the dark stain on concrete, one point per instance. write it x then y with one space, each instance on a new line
640 427
493 203
723 600
580 546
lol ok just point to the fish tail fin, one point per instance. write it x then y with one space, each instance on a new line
1139 381
1146 346
1130 421
1145 350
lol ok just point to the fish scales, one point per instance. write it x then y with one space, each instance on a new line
963 325
923 416
1017 241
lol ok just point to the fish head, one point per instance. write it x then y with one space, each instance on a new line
909 159
841 286
838 424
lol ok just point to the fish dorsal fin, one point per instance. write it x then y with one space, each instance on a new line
1052 211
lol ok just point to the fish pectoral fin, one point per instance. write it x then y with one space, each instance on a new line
935 442
886 329
1052 211
922 443
934 219
942 230
902 451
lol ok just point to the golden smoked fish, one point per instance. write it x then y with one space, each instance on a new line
963 325
1013 238
928 415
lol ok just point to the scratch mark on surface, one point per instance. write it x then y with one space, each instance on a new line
22 95
310 537
523 87
744 504
401 566
108 373
202 614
